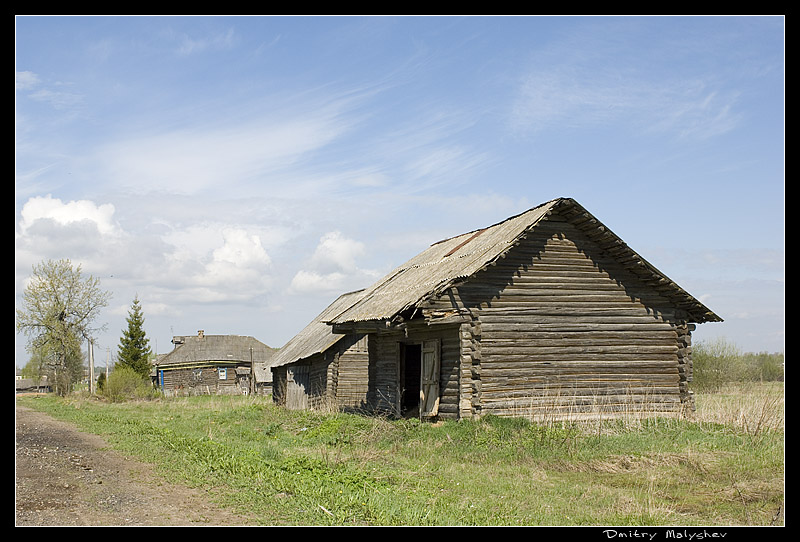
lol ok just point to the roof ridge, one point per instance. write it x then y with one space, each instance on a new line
478 231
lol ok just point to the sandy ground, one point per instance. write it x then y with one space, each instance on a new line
65 477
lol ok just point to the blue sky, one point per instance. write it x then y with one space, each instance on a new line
239 173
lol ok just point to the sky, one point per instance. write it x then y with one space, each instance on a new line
237 174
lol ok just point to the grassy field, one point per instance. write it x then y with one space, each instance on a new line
722 467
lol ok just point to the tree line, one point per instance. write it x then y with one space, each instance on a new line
58 313
719 362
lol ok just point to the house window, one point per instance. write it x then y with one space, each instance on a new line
223 373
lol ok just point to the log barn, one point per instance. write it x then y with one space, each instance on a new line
213 365
547 314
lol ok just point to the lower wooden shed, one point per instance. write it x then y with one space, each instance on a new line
321 370
547 314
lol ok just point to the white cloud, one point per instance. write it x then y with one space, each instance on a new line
57 99
219 41
53 95
312 282
333 267
47 207
195 158
25 80
337 252
572 99
240 264
203 263
212 263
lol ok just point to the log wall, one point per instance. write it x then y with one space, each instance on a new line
559 328
349 373
337 378
199 380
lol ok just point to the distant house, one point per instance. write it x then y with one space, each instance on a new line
213 365
546 314
32 385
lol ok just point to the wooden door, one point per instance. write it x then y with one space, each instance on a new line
429 379
297 387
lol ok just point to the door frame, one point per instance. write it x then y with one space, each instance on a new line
429 376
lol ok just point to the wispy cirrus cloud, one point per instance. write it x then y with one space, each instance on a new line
55 94
199 156
25 80
188 45
622 74
574 100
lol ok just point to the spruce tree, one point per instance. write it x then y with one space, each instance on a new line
134 350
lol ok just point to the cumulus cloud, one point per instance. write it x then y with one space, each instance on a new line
333 267
337 252
238 265
71 212
313 281
212 264
209 263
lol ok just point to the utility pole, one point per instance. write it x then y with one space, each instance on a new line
91 367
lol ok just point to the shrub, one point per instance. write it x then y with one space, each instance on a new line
124 384
718 362
766 367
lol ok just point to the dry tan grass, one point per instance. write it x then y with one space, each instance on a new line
752 408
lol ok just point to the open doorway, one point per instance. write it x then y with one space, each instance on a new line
410 372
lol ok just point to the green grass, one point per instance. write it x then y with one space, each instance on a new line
301 468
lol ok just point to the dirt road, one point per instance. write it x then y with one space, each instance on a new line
68 478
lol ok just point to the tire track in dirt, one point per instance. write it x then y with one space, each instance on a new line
65 477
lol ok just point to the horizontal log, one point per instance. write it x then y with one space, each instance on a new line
566 326
547 350
619 402
560 365
616 311
562 339
578 380
619 399
488 357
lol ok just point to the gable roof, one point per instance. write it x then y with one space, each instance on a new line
317 336
453 260
217 348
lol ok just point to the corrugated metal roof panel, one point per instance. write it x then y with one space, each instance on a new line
447 262
438 266
233 348
317 336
